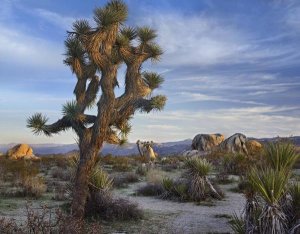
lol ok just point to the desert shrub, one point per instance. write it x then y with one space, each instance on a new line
215 158
62 174
17 169
60 193
150 190
124 179
9 226
33 186
175 190
48 221
170 167
141 170
224 178
237 164
155 176
118 163
103 205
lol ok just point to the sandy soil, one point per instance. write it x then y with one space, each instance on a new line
190 217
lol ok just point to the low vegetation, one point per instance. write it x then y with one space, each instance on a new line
272 202
271 193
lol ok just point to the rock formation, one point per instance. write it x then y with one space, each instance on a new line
21 151
253 146
234 144
206 142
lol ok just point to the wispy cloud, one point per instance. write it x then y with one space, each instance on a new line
18 48
203 40
255 121
59 20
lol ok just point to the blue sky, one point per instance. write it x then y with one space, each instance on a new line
229 66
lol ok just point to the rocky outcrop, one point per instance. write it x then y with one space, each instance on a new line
253 146
234 144
21 151
206 142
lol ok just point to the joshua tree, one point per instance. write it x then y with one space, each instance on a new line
94 54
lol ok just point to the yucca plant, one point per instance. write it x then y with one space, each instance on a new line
270 184
281 155
197 172
252 208
167 184
294 211
237 224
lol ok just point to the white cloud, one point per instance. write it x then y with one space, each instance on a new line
293 18
64 22
18 48
194 40
257 121
183 97
203 40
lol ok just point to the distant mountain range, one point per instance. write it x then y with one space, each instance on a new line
167 148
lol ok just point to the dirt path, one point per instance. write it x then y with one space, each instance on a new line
189 217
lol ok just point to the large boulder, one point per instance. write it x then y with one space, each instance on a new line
253 146
21 151
206 142
234 144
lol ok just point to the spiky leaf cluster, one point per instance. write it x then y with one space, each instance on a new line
281 155
114 12
146 35
71 111
153 80
37 123
199 167
269 183
81 27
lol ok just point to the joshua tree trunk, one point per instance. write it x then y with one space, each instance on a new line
81 189
91 51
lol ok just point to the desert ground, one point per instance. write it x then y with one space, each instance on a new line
44 182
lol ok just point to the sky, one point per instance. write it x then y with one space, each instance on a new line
229 66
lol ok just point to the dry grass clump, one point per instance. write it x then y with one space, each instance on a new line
103 205
118 163
141 170
46 220
171 163
33 186
121 181
151 190
60 173
60 193
23 178
17 169
155 176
